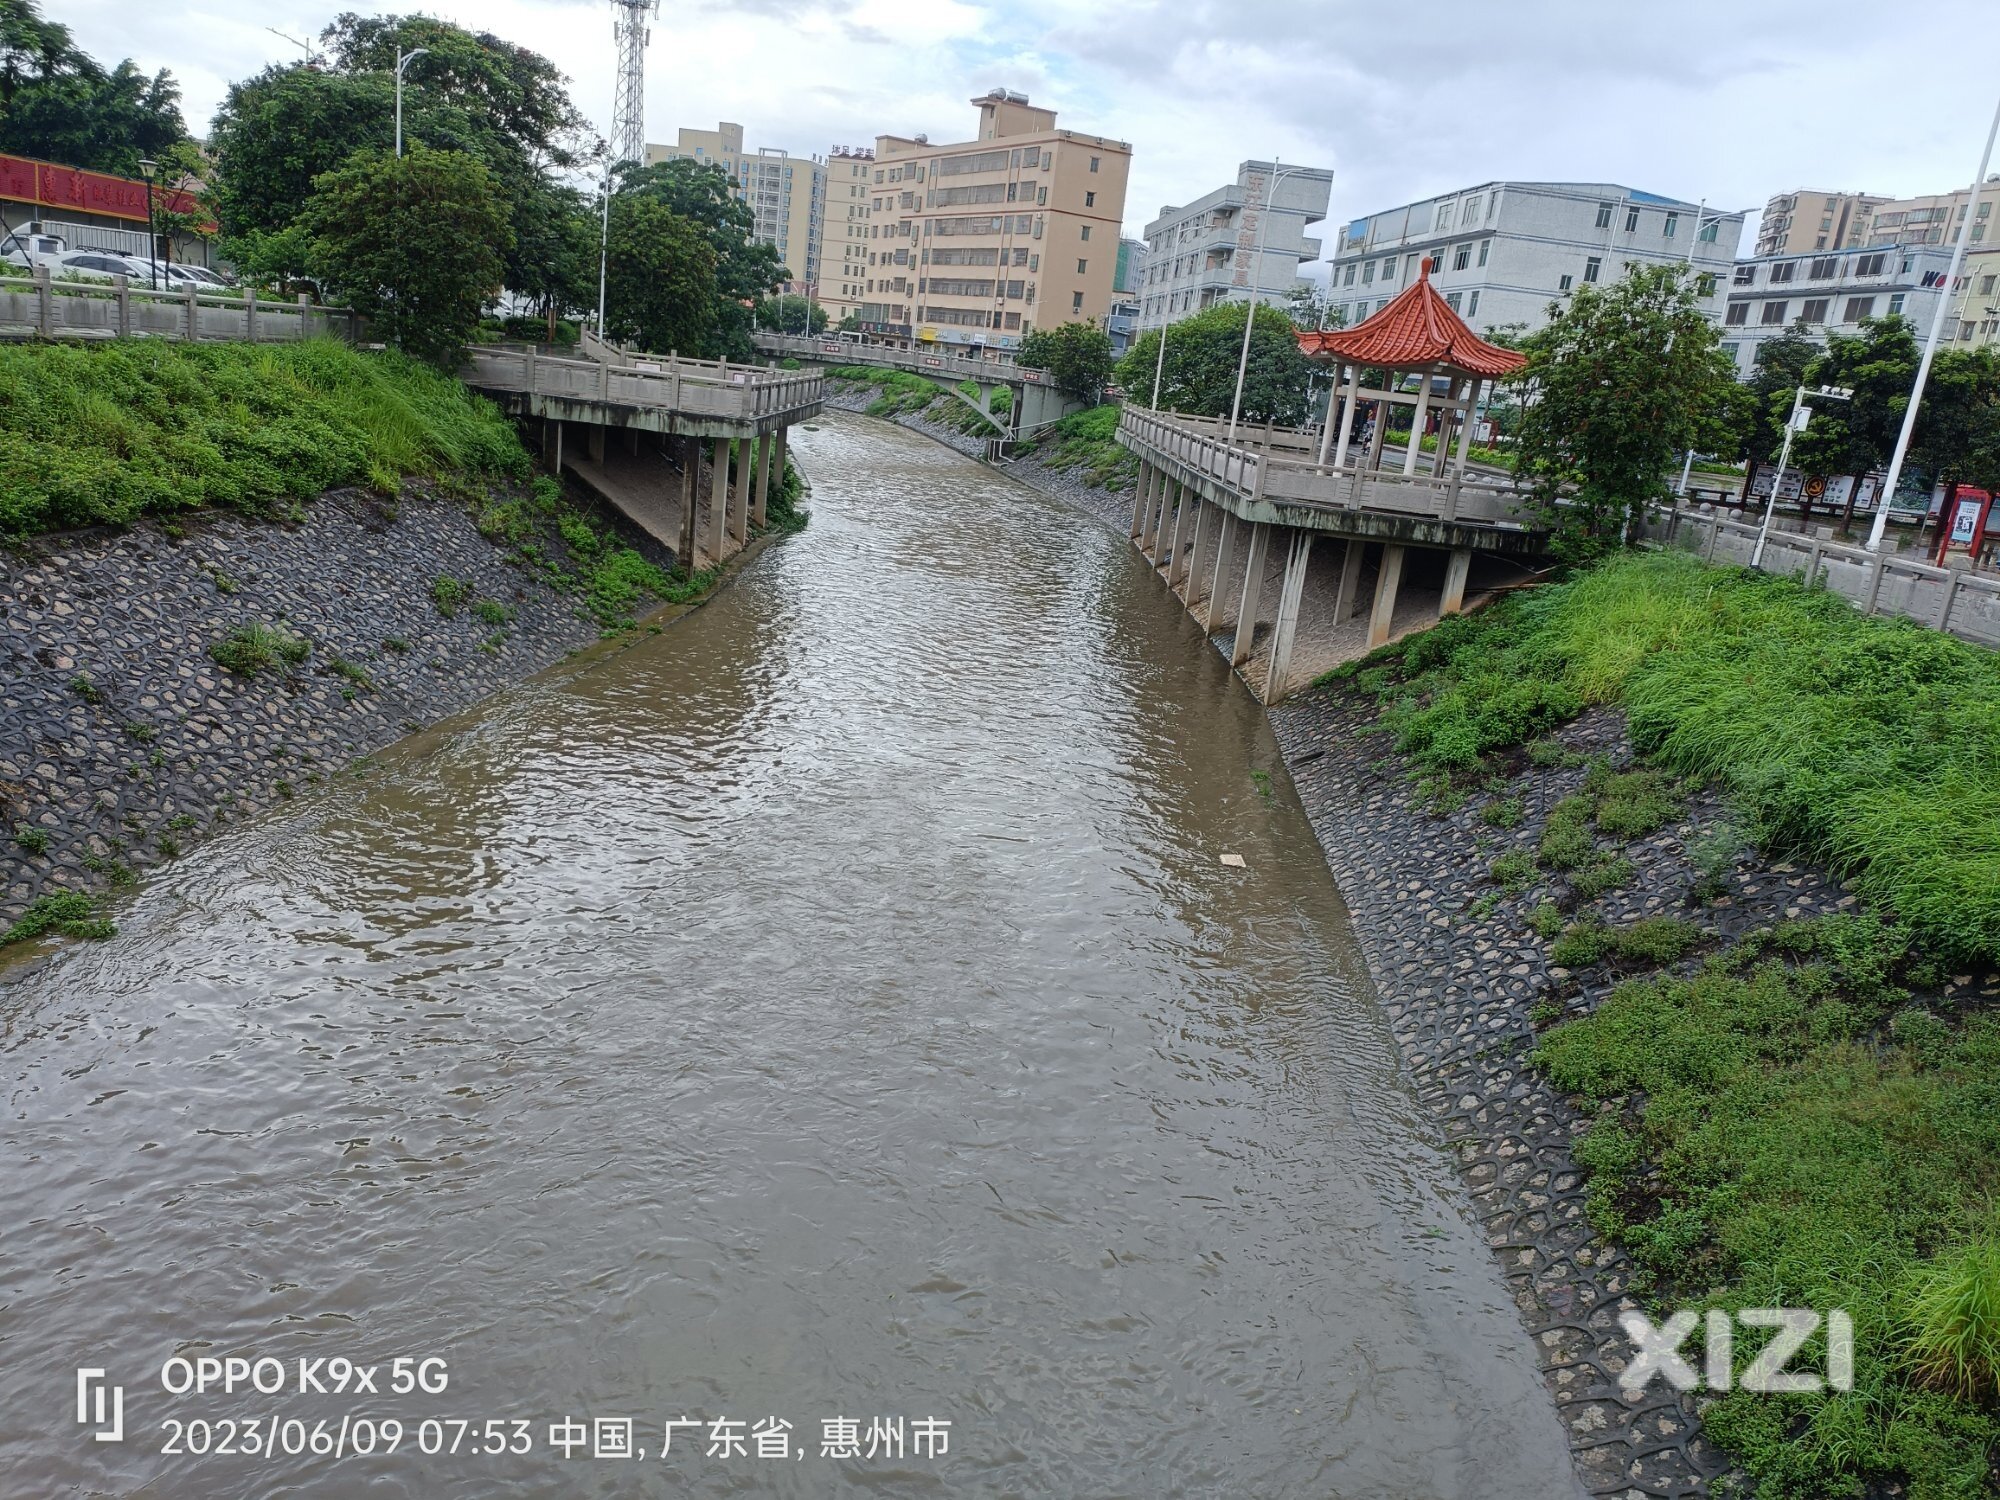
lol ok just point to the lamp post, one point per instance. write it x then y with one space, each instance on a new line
403 60
1701 217
1794 424
1160 362
1888 494
1256 269
147 167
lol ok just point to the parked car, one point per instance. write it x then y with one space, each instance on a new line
74 263
26 249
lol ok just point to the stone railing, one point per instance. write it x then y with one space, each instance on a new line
45 306
714 389
828 349
1959 600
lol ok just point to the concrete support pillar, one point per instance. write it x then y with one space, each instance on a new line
1297 558
690 498
559 438
1141 493
1170 535
718 501
595 431
1350 581
1191 572
1456 567
759 505
779 444
1386 584
1218 579
1253 583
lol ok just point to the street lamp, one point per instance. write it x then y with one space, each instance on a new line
147 167
1794 424
1256 270
1160 363
403 60
1881 523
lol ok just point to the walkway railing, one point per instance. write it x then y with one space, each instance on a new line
1955 599
44 306
830 350
1286 472
694 387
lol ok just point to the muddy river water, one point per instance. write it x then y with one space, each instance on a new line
830 1010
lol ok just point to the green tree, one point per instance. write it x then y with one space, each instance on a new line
660 278
1619 382
1764 401
1076 355
58 103
1957 439
745 269
415 243
791 313
1851 437
1200 373
1306 306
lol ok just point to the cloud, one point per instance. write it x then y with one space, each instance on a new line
1706 99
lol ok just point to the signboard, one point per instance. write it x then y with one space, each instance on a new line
1966 514
47 185
1788 491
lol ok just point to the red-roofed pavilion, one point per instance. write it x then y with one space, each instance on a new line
1417 333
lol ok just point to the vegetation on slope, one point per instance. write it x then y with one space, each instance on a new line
1809 1117
104 434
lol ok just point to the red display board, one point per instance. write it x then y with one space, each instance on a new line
65 189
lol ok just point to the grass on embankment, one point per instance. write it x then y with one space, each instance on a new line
1799 1119
104 434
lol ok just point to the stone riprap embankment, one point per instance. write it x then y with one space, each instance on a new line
121 737
855 396
1467 985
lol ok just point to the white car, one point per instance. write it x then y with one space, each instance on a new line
91 263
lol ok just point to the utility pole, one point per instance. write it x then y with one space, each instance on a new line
1881 523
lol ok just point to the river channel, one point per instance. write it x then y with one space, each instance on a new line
834 1006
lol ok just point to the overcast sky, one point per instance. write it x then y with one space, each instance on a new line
1731 100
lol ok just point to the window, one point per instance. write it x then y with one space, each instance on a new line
1471 214
1348 279
1632 220
1093 164
1859 308
1090 200
1709 231
1076 298
1472 302
1564 284
1814 310
1825 267
1745 276
1368 274
1704 284
1871 265
1041 196
1593 267
1389 269
1669 225
1896 303
1461 257
1086 232
1082 267
1784 270
1774 312
1604 216
1485 248
1986 284
1453 299
1738 314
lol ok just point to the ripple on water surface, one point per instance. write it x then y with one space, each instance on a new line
830 1007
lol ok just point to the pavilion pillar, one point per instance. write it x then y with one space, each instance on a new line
1350 581
1346 415
1379 436
1342 376
1417 420
1218 579
1297 559
1253 582
718 500
1472 390
1456 567
1460 388
1386 583
760 505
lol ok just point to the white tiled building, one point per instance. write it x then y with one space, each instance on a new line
1203 253
1768 294
1505 250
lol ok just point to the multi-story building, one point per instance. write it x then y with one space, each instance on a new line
983 240
1206 252
1502 252
1772 294
850 175
786 193
1975 310
1805 220
1130 274
1934 220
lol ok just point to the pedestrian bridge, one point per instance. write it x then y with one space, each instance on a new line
1033 401
1203 494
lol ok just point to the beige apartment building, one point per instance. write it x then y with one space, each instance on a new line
786 193
980 241
1805 221
850 188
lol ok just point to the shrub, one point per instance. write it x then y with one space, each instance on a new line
34 840
1566 842
1951 1321
1515 871
448 594
1504 812
70 913
254 647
